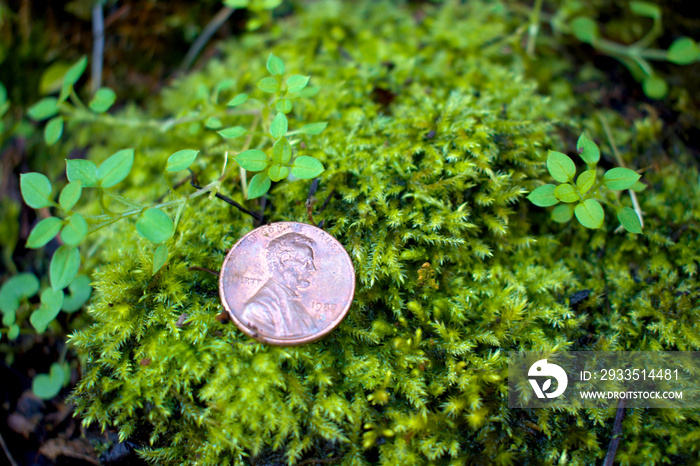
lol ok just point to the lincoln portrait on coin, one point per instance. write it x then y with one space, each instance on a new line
276 309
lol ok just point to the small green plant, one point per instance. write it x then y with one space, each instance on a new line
636 56
583 198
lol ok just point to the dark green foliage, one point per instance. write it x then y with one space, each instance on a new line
434 138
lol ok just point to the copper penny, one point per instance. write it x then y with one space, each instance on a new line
287 283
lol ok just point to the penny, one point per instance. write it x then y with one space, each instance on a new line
287 283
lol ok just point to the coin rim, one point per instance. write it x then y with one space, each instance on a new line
284 341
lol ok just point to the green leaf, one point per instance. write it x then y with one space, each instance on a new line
237 3
3 94
306 167
47 386
620 178
269 85
70 195
43 232
560 166
64 266
10 317
566 193
258 185
81 170
75 72
683 51
590 214
313 128
654 87
638 187
23 285
543 196
275 65
237 100
252 160
181 160
52 78
53 130
80 291
155 226
309 91
14 332
283 105
646 9
75 230
585 181
51 302
45 108
281 152
103 99
160 257
115 168
629 220
279 126
584 29
213 123
221 86
36 190
277 172
563 213
233 132
297 82
588 150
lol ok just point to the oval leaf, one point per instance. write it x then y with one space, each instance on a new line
75 71
51 302
181 160
277 172
620 178
297 82
43 232
313 128
590 214
36 190
654 87
585 181
585 29
24 285
306 167
281 152
258 185
253 160
64 266
75 230
160 257
237 100
283 105
53 130
80 291
213 123
47 386
543 196
566 193
629 220
233 132
70 195
275 65
588 150
269 85
279 126
563 213
81 170
683 51
45 108
155 226
560 166
115 168
104 98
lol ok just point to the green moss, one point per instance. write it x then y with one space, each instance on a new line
435 137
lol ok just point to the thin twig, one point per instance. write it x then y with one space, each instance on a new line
255 215
213 26
204 269
616 434
98 45
7 452
621 163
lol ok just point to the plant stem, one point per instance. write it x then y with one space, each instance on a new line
534 28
